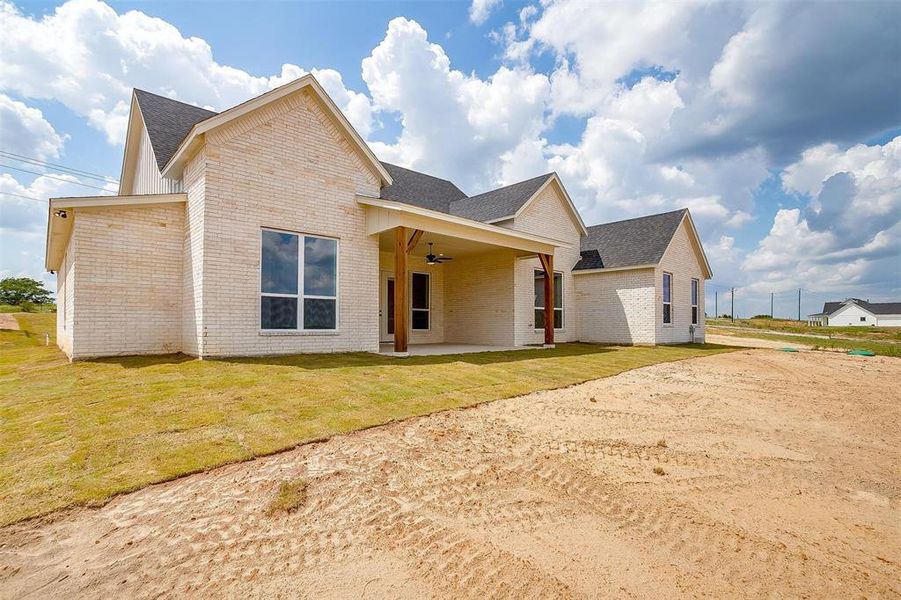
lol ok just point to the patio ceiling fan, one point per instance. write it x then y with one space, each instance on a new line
432 259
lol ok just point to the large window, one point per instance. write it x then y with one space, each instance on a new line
667 298
694 301
539 300
420 301
298 282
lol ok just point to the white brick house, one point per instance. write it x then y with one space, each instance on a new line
272 228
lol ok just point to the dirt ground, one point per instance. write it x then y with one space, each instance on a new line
7 321
779 477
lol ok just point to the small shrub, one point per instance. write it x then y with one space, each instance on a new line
291 496
659 471
28 307
661 443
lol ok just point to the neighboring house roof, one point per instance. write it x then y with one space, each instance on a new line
629 243
876 308
500 203
168 122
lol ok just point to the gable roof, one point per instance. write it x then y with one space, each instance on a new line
630 243
168 122
500 203
876 308
419 189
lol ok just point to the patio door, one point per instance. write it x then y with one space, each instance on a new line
386 307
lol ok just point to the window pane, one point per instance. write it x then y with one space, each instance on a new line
667 282
694 291
420 292
278 268
539 319
558 319
539 289
694 315
667 313
320 266
319 314
420 319
278 313
558 290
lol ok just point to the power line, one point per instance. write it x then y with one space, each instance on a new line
52 177
21 196
70 170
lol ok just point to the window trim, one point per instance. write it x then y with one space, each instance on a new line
300 296
428 300
695 299
665 301
562 305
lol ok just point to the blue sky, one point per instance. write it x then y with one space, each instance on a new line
777 124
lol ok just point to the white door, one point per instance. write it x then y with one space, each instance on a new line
386 307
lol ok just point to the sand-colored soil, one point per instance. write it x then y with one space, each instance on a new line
781 479
7 321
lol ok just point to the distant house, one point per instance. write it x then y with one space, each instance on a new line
857 312
272 228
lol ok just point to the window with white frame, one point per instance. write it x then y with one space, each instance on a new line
419 301
298 282
694 301
539 300
667 298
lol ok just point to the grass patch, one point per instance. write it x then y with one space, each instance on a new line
882 348
291 496
81 433
887 334
37 308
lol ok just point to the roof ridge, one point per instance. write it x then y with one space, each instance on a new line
503 187
174 100
422 173
669 212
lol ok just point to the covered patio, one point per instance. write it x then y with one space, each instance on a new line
447 284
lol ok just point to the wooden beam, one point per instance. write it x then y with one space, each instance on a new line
414 239
547 264
400 289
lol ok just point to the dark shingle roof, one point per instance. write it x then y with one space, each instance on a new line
629 243
499 203
877 308
168 122
419 189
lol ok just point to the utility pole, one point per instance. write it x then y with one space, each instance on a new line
733 305
716 304
799 304
771 305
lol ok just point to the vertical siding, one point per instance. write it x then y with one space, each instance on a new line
147 173
616 307
65 294
682 261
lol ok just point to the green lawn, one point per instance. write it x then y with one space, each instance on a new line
791 326
45 308
882 348
80 433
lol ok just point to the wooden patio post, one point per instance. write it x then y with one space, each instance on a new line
400 289
547 263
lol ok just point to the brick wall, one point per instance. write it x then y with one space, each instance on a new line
285 166
683 262
616 307
478 299
547 215
435 333
128 280
194 181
